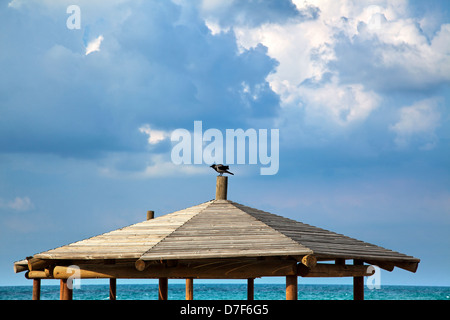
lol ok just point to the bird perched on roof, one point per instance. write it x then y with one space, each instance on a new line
220 168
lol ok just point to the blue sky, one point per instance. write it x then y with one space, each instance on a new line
359 92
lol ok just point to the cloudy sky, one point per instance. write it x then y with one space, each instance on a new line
359 91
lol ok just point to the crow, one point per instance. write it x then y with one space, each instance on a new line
220 168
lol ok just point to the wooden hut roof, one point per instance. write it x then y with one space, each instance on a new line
224 229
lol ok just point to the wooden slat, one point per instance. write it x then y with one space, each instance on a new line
323 242
228 232
128 242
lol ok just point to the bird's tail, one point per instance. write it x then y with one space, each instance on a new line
230 173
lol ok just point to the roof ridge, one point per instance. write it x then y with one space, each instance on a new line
239 207
50 254
207 204
325 232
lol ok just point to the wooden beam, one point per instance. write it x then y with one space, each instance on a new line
388 266
358 283
333 270
189 289
221 269
37 275
141 265
163 288
409 266
36 289
291 288
250 289
221 187
20 266
309 261
150 214
37 264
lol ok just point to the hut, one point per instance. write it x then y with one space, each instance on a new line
217 239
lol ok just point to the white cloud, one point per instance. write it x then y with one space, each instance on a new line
390 42
304 50
342 104
154 136
418 120
18 204
94 45
14 4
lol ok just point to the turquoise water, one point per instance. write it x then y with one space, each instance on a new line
230 292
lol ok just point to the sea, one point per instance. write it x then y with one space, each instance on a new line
225 291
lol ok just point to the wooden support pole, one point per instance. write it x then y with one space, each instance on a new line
65 293
162 289
189 288
250 289
61 289
358 284
112 289
291 287
150 214
36 289
221 187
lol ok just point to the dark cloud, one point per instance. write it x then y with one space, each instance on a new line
158 64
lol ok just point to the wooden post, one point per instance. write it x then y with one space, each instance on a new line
61 289
358 284
150 214
190 289
221 187
250 289
162 289
291 287
64 292
36 289
112 289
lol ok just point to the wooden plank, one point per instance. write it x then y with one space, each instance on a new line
320 241
161 226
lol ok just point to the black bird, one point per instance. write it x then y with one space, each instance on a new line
220 168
